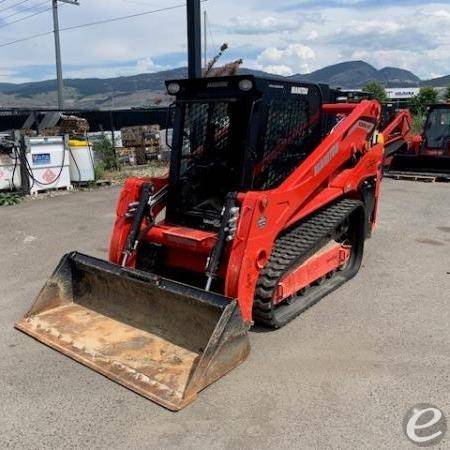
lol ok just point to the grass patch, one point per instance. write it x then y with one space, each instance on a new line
10 198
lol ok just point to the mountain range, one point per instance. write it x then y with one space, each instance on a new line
148 89
355 74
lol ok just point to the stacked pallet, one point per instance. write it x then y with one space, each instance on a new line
141 136
28 132
52 131
143 141
73 125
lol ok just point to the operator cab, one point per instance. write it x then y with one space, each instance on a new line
234 134
437 128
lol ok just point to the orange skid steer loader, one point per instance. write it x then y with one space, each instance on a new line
426 155
272 190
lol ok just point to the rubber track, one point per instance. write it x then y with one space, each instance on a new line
293 248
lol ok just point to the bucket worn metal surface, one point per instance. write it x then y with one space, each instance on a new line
165 340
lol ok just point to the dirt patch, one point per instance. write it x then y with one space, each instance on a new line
111 178
155 169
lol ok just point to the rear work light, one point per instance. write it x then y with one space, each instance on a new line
246 85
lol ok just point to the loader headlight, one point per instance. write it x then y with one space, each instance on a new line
246 85
173 88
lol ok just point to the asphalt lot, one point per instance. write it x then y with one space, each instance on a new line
341 376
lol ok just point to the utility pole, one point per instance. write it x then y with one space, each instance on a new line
194 31
205 40
59 74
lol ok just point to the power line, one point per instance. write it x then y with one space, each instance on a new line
131 16
100 22
15 5
29 38
24 18
25 10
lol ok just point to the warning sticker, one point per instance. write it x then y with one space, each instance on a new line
49 176
363 125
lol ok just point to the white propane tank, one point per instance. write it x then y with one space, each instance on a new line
81 161
48 161
9 167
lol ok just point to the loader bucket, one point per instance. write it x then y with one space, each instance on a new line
426 165
162 339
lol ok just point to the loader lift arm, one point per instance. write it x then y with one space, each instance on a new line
397 135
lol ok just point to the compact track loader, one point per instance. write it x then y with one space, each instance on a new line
428 154
272 190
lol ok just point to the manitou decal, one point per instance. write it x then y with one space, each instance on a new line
326 159
299 90
218 84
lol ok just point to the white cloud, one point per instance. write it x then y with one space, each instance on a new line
145 65
247 25
293 58
12 76
284 71
265 33
313 35
441 14
417 41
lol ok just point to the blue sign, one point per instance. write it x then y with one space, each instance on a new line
41 158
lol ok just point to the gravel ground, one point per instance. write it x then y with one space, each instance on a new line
341 376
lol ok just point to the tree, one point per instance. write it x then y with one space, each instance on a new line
104 149
426 96
227 70
447 95
377 90
216 58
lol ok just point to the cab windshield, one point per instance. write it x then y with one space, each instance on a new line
211 157
437 130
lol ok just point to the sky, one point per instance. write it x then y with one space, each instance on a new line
283 37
